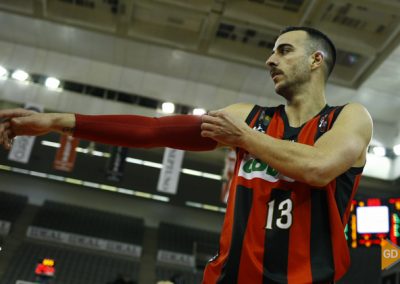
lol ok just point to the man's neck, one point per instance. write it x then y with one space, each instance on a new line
305 104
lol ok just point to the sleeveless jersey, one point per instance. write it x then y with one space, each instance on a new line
276 229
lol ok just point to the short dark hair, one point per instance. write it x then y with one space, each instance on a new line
321 42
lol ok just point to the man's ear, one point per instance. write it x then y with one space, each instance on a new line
317 59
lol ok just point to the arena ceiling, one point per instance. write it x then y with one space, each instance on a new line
365 31
237 33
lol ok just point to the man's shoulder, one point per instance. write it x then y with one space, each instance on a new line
355 117
352 105
354 110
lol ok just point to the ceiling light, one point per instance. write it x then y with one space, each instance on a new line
168 107
199 111
3 72
52 83
379 151
20 75
396 150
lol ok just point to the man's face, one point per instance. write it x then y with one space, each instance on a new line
289 62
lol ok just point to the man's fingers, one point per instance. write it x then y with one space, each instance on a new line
10 134
5 141
212 113
208 126
210 119
4 138
6 134
8 139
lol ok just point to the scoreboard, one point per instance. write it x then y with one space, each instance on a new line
373 220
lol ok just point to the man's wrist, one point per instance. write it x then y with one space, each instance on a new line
63 123
247 138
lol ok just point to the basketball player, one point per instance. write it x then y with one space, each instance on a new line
297 170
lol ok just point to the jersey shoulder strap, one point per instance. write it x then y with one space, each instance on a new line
253 113
260 117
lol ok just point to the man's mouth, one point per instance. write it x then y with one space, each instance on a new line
275 73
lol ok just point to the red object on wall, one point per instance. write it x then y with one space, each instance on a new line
66 154
42 269
374 202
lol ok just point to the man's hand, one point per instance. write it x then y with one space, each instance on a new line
225 128
15 122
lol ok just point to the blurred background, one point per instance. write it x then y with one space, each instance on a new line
76 212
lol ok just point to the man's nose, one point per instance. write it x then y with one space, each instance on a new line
271 62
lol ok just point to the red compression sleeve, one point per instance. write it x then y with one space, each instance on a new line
179 131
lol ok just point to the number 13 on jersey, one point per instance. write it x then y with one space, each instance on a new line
281 216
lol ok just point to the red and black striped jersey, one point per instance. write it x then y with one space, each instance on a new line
276 229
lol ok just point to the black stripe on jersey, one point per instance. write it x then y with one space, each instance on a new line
276 250
243 203
291 133
252 113
344 188
322 266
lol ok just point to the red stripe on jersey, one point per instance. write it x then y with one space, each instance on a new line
276 126
253 244
300 272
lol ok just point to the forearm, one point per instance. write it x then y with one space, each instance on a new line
179 132
295 160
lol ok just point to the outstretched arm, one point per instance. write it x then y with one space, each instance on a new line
336 151
180 131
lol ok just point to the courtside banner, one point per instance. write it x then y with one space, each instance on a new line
116 163
66 154
169 176
84 241
176 258
22 147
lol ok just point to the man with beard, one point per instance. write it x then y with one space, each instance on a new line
298 165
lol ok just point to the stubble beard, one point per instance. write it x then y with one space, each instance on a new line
300 75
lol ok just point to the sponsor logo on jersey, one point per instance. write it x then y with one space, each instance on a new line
323 123
263 123
251 167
